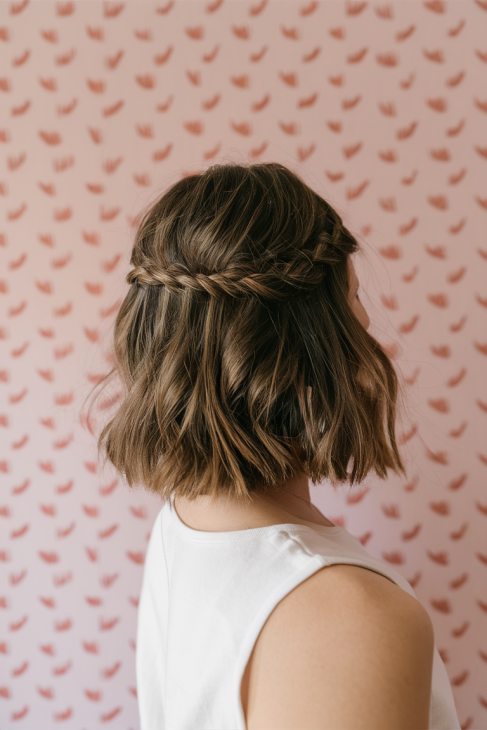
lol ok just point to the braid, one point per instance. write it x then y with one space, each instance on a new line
277 281
236 281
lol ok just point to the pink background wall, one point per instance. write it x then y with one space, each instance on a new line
382 108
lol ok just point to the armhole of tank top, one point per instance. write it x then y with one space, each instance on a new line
351 561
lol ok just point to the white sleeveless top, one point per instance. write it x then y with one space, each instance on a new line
204 600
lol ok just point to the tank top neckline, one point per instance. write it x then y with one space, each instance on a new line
250 533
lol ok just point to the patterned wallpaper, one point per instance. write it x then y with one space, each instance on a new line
382 108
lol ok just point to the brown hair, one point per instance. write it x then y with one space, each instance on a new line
241 359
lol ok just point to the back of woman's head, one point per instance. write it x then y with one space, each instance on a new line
241 360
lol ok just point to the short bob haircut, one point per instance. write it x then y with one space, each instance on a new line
241 359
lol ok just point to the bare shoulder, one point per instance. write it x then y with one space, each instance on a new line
347 648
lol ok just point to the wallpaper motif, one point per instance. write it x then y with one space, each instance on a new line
382 107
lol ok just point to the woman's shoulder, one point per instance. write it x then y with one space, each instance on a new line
346 648
349 593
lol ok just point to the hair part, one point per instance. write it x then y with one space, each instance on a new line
241 360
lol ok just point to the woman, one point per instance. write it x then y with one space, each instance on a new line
243 349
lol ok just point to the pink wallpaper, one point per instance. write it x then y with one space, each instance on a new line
382 108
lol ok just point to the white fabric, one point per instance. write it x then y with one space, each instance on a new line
205 598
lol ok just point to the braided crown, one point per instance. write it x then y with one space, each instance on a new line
236 281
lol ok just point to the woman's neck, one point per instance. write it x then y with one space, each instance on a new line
289 502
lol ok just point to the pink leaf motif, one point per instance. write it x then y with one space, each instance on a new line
241 32
440 405
460 630
442 605
394 557
391 510
459 533
110 110
458 582
110 715
409 535
441 508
